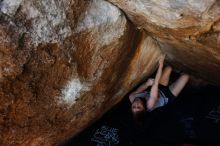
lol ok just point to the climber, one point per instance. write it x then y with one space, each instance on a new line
159 94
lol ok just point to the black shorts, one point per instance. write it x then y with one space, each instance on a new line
167 92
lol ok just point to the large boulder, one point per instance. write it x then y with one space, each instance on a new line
188 31
63 64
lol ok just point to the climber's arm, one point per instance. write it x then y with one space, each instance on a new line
145 85
154 89
141 88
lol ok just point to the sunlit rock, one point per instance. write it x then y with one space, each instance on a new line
63 64
187 30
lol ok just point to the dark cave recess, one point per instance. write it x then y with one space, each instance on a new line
194 118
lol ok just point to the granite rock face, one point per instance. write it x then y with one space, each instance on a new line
63 64
188 31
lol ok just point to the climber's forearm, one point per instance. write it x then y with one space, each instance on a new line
145 85
154 88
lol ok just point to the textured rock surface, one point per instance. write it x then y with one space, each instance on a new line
188 31
63 63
